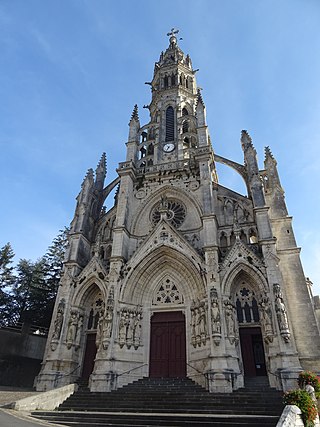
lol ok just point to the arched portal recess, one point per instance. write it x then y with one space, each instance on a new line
246 299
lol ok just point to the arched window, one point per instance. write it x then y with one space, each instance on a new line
184 112
247 306
169 124
165 81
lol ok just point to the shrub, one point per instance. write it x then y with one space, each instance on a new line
305 403
308 377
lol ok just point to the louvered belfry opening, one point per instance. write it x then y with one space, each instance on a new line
169 124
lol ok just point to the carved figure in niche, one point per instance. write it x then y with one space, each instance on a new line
108 324
198 323
130 326
203 321
72 328
79 332
59 320
266 318
193 324
215 317
137 330
230 321
122 328
281 313
99 329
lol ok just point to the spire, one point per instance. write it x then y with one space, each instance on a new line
268 153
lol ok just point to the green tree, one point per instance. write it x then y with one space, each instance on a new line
36 285
7 279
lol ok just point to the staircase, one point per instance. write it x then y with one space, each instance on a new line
170 402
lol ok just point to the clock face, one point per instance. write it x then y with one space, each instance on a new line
167 148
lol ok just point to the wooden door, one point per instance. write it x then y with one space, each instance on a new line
168 345
252 351
89 356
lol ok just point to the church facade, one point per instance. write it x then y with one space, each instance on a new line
182 276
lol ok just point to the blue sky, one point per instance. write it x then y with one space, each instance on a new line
71 71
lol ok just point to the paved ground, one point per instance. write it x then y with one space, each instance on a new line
9 418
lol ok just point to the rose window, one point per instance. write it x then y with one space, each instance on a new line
174 212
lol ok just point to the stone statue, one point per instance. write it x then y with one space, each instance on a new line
72 328
137 330
281 313
79 331
266 318
229 316
215 317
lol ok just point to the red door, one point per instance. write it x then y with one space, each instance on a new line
89 356
252 352
168 345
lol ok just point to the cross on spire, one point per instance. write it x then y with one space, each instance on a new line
172 33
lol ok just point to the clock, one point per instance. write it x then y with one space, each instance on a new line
167 148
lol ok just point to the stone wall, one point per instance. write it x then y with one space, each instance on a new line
21 354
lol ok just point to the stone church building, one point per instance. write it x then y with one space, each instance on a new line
182 276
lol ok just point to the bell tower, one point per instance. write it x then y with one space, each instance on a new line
177 123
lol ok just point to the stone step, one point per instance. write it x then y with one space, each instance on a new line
130 419
168 402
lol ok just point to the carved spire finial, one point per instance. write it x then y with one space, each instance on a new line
268 153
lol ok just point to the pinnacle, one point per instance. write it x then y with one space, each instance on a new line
102 165
199 98
135 115
246 140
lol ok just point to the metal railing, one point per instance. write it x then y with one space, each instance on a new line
132 369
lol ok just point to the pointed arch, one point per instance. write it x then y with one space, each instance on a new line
164 261
250 273
86 290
